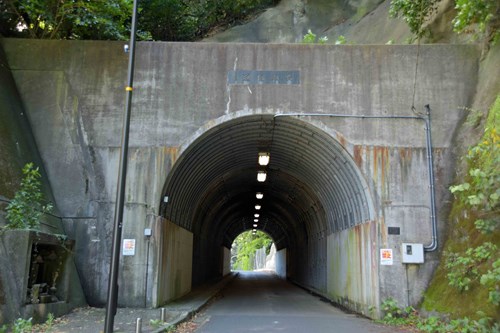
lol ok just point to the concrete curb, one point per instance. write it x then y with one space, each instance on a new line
193 302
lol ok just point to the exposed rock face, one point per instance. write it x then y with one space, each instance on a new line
360 21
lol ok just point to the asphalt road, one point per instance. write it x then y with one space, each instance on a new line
261 302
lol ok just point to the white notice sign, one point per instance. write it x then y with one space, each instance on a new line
128 247
386 257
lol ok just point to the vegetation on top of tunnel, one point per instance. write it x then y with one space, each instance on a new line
175 20
479 19
244 248
469 274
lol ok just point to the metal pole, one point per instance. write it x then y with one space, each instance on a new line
138 325
163 314
120 193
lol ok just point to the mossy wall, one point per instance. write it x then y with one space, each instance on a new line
462 233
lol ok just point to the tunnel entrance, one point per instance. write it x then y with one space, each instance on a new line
315 204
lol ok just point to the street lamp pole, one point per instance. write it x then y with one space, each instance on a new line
112 299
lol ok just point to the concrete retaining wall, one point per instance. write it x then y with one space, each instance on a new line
181 90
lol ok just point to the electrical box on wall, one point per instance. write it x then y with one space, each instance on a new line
413 253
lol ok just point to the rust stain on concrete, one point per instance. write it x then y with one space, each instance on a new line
173 152
380 161
405 159
358 155
342 140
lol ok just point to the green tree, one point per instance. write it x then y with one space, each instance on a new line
245 246
27 207
482 16
177 20
414 12
65 19
183 20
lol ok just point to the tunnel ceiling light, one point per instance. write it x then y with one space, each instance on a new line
256 215
255 225
256 220
264 158
258 207
261 176
259 195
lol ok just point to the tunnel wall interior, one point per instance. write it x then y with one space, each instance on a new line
195 135
173 260
281 263
226 261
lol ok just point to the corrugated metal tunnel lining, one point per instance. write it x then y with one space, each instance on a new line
313 186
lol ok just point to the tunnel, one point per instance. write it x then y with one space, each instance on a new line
313 191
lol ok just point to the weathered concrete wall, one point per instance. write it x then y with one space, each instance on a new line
226 261
281 263
18 147
353 267
181 90
173 262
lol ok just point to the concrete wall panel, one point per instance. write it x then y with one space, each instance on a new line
353 267
281 263
226 263
173 261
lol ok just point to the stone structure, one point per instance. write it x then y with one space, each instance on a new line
202 112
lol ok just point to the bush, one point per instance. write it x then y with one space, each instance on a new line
27 207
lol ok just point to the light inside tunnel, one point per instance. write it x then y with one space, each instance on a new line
261 176
258 207
259 195
264 158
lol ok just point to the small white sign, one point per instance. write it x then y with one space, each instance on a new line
386 257
128 247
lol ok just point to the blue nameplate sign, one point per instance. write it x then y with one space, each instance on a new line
247 77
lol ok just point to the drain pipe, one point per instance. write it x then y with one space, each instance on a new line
430 163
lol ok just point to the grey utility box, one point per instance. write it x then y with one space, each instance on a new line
413 253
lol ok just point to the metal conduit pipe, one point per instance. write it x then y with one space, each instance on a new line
426 118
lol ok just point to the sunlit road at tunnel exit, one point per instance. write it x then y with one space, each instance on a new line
261 302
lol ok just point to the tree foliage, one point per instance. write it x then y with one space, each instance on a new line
414 12
193 19
177 20
27 207
65 19
245 246
478 15
480 196
472 15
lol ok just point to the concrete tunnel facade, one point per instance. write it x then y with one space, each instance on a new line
334 185
313 190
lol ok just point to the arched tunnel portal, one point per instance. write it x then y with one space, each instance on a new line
313 191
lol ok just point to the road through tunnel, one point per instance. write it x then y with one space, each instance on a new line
314 203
